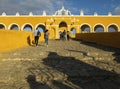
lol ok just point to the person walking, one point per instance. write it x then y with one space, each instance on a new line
68 35
64 35
37 34
46 37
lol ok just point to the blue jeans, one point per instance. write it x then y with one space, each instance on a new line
36 40
46 40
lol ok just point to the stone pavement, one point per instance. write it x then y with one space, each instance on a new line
62 65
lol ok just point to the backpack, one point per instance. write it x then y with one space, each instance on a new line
38 33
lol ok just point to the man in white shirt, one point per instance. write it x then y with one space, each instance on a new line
36 36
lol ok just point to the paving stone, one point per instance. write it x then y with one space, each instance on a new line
61 65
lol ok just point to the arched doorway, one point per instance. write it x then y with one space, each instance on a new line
63 26
73 32
41 28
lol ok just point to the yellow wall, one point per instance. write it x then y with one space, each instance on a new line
12 39
109 39
71 21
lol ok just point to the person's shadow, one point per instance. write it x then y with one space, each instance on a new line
29 40
80 74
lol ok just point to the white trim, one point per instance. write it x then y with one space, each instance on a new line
60 16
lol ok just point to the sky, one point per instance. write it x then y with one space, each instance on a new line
24 7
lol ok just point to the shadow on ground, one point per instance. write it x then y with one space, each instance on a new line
31 79
81 75
116 51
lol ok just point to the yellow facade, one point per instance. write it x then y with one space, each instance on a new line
56 23
52 23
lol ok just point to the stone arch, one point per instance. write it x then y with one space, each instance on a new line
99 28
41 27
14 26
63 26
113 28
2 26
27 27
85 28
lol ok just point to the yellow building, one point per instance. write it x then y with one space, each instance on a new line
61 20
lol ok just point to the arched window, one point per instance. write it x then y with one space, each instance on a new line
14 27
85 29
27 27
41 28
2 26
99 28
112 28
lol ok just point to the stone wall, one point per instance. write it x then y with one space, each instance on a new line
12 39
110 38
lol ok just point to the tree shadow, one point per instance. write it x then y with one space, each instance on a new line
116 51
85 54
31 79
81 75
100 46
61 85
117 56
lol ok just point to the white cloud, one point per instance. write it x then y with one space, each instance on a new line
26 6
117 10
